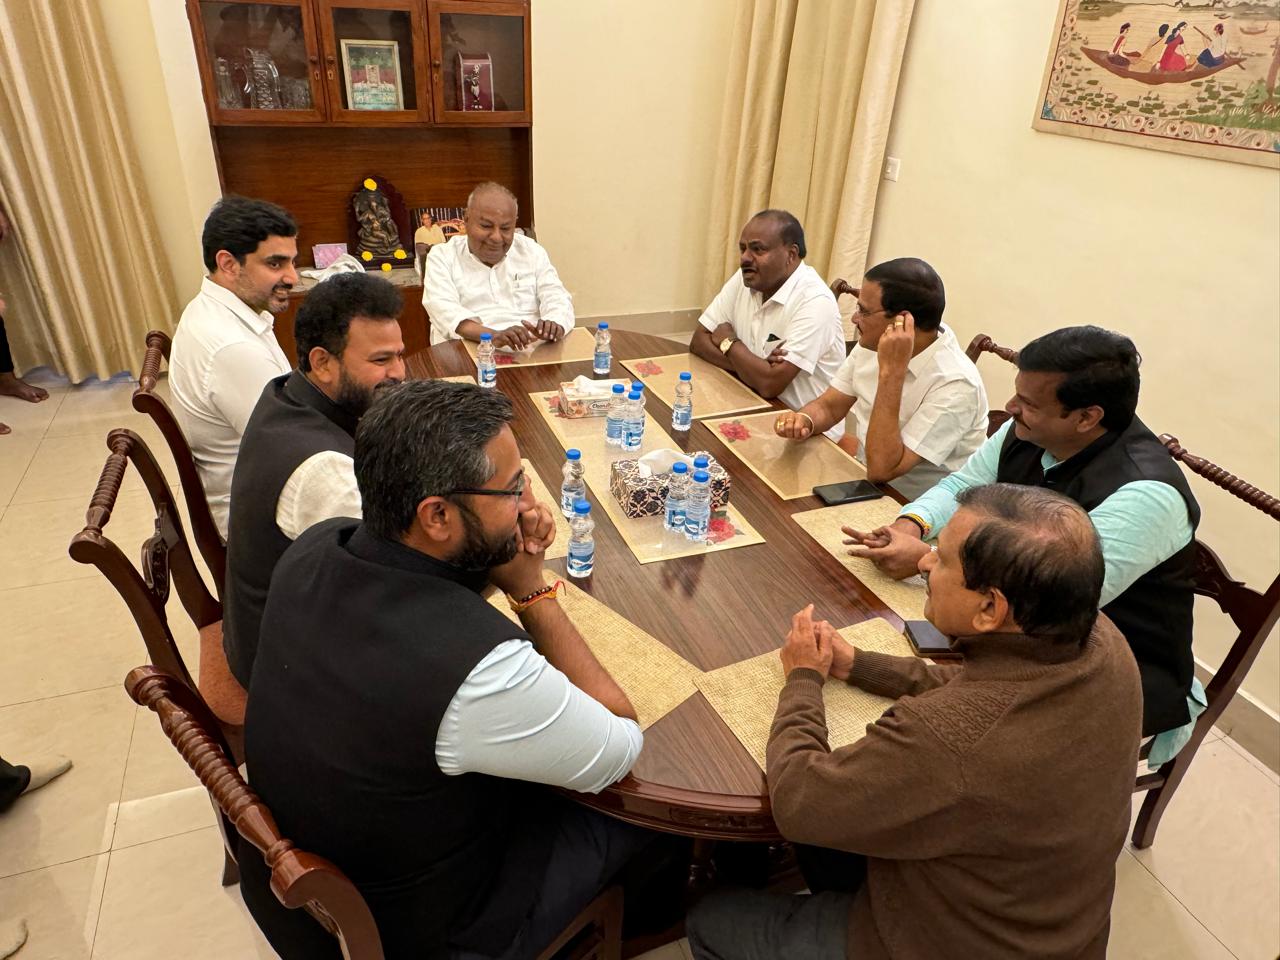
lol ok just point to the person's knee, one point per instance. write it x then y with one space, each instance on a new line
712 923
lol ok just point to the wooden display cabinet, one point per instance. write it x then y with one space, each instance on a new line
480 31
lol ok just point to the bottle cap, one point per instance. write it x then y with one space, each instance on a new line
701 462
701 476
637 385
581 508
686 375
485 337
602 326
619 388
573 454
679 467
633 395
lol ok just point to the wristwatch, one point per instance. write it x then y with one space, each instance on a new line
726 344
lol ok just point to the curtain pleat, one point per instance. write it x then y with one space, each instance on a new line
83 270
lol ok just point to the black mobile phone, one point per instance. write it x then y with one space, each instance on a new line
833 494
928 641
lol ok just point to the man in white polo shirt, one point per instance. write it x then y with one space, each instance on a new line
915 404
225 349
494 280
775 324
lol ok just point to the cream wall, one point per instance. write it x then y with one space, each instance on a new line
1032 231
627 104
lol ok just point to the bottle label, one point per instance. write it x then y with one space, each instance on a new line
602 362
488 376
682 416
695 522
613 429
582 555
675 516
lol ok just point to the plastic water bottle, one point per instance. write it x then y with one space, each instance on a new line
682 410
614 418
677 497
574 487
486 366
701 462
603 360
697 513
633 425
582 545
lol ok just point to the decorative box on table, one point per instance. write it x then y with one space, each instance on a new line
475 81
647 496
576 402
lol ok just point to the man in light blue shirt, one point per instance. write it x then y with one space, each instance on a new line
1073 429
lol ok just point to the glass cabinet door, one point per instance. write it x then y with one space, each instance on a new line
259 60
374 54
480 61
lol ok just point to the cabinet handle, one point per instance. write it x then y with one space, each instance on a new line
435 64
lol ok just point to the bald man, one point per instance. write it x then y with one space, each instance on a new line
493 280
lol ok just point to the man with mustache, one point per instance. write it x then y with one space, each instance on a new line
774 324
398 723
225 349
1074 430
996 792
494 280
295 466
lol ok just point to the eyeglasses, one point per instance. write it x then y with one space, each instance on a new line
517 491
860 311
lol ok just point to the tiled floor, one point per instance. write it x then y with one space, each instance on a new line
120 858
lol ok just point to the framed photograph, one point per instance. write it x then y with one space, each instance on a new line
323 254
372 72
1196 77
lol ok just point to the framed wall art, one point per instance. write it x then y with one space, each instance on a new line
1197 77
372 72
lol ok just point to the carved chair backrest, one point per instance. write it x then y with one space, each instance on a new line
204 531
1254 614
977 347
165 560
298 878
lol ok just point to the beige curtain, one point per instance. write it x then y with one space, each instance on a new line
808 102
82 270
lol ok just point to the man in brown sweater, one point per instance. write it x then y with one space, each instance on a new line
991 801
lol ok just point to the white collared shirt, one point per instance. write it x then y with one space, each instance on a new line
523 286
803 313
223 356
943 417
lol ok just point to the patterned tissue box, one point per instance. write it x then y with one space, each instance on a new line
575 403
647 496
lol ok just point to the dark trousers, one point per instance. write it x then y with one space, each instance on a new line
13 780
6 358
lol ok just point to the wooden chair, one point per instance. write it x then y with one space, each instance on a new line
166 560
209 541
977 347
301 879
839 287
1254 613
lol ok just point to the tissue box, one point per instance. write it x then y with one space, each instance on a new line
576 403
647 496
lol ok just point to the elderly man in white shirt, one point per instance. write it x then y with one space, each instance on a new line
912 402
774 324
494 280
225 349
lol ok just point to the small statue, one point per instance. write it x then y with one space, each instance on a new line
377 231
473 86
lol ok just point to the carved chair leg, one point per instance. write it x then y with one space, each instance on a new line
701 869
230 869
1155 802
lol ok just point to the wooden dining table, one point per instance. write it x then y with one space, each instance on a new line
692 778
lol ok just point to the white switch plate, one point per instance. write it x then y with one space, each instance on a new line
892 166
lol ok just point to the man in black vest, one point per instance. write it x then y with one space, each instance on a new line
1074 430
295 467
397 722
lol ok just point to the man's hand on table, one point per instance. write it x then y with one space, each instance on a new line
807 648
793 425
512 338
547 330
896 549
522 575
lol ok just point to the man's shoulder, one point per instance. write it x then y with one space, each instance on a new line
811 296
951 363
528 249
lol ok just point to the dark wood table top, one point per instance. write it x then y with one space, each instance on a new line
693 777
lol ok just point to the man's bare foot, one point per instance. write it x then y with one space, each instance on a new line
12 386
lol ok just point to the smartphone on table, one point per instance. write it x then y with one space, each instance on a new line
834 494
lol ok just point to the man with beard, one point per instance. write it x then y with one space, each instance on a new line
295 467
225 349
398 722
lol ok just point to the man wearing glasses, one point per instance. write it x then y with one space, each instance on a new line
913 404
397 721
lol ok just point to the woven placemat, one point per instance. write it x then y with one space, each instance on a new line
790 468
465 378
578 344
745 694
716 392
651 674
903 597
644 535
543 494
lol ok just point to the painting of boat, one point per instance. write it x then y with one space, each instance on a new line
1254 31
1112 63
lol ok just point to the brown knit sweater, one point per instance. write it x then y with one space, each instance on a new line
991 800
